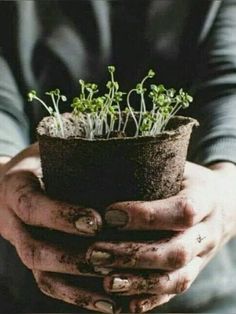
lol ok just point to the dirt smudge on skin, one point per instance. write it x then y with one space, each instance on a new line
85 268
46 286
73 213
83 300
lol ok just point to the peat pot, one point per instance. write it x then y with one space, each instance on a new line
96 173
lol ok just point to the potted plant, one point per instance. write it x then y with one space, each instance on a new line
102 153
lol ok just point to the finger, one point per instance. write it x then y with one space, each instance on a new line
192 170
21 191
167 254
40 255
194 203
145 304
43 256
174 282
175 213
27 159
56 287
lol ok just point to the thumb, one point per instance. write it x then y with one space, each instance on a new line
27 159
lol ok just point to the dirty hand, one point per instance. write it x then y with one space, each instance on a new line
23 202
203 218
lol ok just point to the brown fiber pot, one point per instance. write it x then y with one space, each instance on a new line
96 173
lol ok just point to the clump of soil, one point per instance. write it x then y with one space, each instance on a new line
72 128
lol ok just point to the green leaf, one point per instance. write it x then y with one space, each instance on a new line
151 73
57 92
94 87
31 95
109 85
171 92
111 68
189 98
116 85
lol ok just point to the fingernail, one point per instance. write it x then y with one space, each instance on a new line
86 225
116 218
100 258
120 285
102 270
104 306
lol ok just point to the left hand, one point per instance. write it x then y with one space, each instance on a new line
54 264
203 215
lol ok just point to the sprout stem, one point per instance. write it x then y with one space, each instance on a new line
131 111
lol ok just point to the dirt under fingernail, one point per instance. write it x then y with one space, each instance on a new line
104 306
100 258
120 285
86 225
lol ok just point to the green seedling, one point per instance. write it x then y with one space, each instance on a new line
101 115
56 97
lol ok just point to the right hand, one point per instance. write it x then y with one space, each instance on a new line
24 202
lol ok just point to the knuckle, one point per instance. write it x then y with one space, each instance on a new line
178 257
183 283
45 283
24 206
20 186
30 255
188 211
211 246
27 255
39 276
145 210
151 217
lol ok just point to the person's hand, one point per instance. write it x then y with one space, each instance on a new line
24 203
203 218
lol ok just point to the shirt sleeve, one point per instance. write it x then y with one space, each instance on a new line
13 122
215 91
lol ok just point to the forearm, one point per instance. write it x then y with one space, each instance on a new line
226 167
226 173
13 122
214 92
4 160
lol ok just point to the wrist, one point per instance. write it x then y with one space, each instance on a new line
225 170
4 159
226 177
224 166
